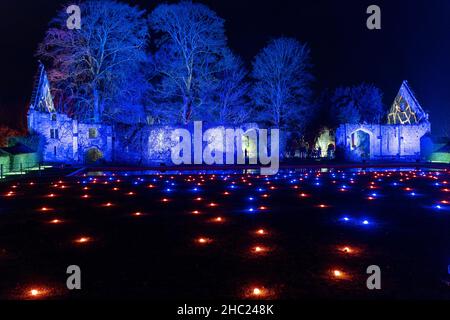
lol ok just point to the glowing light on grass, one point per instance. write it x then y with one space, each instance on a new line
261 232
339 274
257 292
346 249
83 240
259 249
36 293
303 195
203 240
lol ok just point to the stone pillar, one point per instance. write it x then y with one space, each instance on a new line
75 140
109 144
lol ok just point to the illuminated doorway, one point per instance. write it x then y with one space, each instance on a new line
360 144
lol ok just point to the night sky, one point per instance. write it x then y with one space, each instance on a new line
414 44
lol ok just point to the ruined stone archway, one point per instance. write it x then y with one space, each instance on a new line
360 144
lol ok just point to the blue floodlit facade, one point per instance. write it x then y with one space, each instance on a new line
398 139
70 141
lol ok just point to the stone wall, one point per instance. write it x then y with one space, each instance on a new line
384 141
150 145
66 140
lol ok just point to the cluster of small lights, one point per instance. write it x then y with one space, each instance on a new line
253 193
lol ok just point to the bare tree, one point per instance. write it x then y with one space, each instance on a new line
231 103
282 89
90 67
190 47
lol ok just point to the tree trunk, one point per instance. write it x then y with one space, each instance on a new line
187 110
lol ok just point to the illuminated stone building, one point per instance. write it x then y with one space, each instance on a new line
398 139
67 140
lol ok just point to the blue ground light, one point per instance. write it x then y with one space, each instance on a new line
223 235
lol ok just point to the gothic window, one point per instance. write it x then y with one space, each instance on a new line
53 117
93 133
54 134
